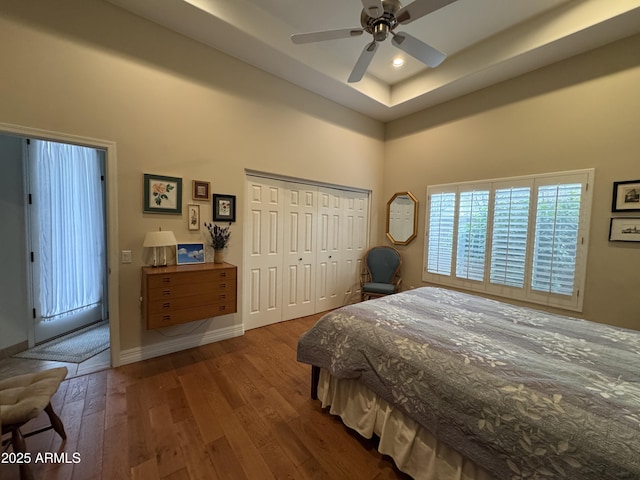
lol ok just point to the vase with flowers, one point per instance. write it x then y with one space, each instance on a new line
219 240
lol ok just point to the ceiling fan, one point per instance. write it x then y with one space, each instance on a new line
380 18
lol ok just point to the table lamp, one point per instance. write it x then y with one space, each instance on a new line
157 239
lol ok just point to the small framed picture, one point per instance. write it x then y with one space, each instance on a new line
224 208
193 216
626 196
200 190
188 253
624 229
162 194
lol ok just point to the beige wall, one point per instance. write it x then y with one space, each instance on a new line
173 107
580 113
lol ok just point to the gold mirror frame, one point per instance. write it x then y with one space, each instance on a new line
414 233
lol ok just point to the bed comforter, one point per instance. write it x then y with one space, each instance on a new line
521 392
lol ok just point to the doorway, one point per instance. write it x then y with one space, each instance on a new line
15 323
66 237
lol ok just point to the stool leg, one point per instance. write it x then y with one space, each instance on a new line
17 441
56 423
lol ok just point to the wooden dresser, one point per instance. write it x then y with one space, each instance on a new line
184 293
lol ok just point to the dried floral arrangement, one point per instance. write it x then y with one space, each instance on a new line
219 236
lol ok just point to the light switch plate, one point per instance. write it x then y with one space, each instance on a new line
126 256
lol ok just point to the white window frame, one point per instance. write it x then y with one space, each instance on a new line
574 302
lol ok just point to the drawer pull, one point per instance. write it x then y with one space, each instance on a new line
223 285
166 318
166 279
166 305
222 296
223 308
166 293
223 274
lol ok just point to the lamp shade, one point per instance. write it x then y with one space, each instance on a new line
162 238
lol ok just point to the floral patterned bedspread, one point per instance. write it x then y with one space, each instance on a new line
521 392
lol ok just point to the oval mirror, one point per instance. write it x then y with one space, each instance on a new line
402 218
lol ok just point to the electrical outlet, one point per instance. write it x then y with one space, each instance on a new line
126 256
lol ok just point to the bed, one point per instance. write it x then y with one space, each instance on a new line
463 387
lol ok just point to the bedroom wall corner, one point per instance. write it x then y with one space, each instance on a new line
579 113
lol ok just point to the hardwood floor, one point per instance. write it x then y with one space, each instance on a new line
235 409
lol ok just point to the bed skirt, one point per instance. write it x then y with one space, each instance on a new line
413 449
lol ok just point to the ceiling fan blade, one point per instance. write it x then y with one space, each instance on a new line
419 8
418 49
373 8
363 62
300 38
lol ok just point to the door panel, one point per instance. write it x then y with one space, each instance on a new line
300 247
330 216
357 224
263 304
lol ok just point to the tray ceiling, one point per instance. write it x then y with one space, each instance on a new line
487 41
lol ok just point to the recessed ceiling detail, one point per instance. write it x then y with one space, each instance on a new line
486 41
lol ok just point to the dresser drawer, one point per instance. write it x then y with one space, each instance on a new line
176 317
190 278
186 293
179 303
169 292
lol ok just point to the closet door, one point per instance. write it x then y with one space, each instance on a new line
264 252
329 258
299 271
356 238
303 249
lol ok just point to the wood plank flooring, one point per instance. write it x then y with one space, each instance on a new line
236 409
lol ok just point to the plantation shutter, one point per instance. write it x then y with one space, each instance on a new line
472 234
524 238
509 239
440 242
556 238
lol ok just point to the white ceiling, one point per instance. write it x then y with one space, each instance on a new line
487 41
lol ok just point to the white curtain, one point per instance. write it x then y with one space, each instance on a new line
69 209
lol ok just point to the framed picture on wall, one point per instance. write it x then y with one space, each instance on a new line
193 216
187 253
200 190
626 196
624 229
162 194
224 208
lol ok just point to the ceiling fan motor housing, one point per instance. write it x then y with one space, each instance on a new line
381 26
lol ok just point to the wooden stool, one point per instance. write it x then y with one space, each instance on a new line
22 398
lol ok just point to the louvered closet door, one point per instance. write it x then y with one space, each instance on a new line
264 254
299 271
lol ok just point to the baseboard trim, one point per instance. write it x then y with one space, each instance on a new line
13 349
138 354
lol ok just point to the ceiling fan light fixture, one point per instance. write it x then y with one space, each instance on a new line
379 18
380 31
398 62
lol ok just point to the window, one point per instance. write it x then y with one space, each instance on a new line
523 238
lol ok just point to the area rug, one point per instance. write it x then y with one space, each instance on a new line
73 348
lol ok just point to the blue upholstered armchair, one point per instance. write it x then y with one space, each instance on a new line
381 276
